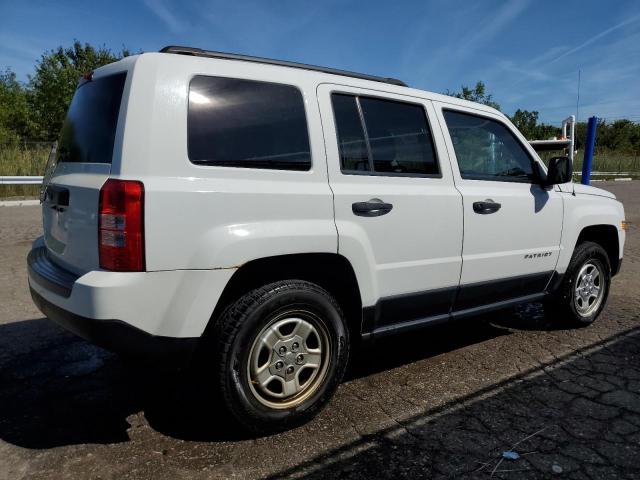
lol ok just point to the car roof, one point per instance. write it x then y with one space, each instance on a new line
321 74
198 52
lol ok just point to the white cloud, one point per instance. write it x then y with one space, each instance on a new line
597 37
494 23
161 9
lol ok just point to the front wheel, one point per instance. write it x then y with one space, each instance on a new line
585 286
281 350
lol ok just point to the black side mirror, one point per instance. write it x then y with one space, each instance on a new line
560 171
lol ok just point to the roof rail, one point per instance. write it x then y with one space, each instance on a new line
283 63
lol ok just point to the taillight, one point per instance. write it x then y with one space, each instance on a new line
121 226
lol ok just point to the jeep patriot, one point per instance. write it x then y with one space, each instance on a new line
263 216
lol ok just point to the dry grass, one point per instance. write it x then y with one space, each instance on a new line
22 159
610 161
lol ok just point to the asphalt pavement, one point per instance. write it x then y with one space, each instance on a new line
447 402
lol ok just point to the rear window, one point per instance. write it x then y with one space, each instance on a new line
245 123
89 130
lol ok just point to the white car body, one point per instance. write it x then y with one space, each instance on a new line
203 224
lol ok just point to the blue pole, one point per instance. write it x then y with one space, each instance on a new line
588 150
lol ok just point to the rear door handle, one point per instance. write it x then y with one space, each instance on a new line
486 207
373 208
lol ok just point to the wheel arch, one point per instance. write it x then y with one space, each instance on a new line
607 237
331 271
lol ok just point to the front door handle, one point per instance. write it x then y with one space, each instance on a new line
486 207
373 208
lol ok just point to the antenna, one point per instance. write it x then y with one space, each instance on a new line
578 99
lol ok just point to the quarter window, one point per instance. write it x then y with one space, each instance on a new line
487 150
244 123
383 136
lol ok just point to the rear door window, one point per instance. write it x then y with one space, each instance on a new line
89 130
383 137
352 144
244 123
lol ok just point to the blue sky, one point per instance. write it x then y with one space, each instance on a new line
527 52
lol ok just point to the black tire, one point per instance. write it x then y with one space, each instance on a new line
563 305
235 333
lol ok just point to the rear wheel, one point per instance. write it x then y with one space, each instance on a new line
585 286
281 351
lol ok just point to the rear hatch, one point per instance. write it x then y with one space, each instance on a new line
82 165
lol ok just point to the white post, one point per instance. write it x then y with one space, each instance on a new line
571 121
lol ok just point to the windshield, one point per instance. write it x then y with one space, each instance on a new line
89 130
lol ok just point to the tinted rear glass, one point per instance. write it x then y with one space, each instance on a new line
394 134
244 123
354 155
399 136
89 130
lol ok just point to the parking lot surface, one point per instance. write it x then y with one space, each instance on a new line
444 403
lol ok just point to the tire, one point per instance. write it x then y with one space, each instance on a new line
574 311
263 331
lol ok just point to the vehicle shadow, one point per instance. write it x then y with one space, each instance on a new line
397 350
528 317
56 389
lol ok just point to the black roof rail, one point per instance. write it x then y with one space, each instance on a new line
198 52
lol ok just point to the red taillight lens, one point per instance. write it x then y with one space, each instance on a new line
121 226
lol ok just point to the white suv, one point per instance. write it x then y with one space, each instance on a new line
269 214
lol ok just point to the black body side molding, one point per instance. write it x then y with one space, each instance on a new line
411 311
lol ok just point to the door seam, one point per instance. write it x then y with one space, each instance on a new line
453 179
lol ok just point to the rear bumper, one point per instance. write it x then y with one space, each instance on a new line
142 314
120 337
49 275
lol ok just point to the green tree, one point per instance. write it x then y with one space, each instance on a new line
621 135
527 123
54 82
15 119
477 94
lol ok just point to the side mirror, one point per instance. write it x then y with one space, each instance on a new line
560 171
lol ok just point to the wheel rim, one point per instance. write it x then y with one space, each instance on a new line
288 359
589 289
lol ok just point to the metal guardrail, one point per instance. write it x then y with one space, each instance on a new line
20 180
613 174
